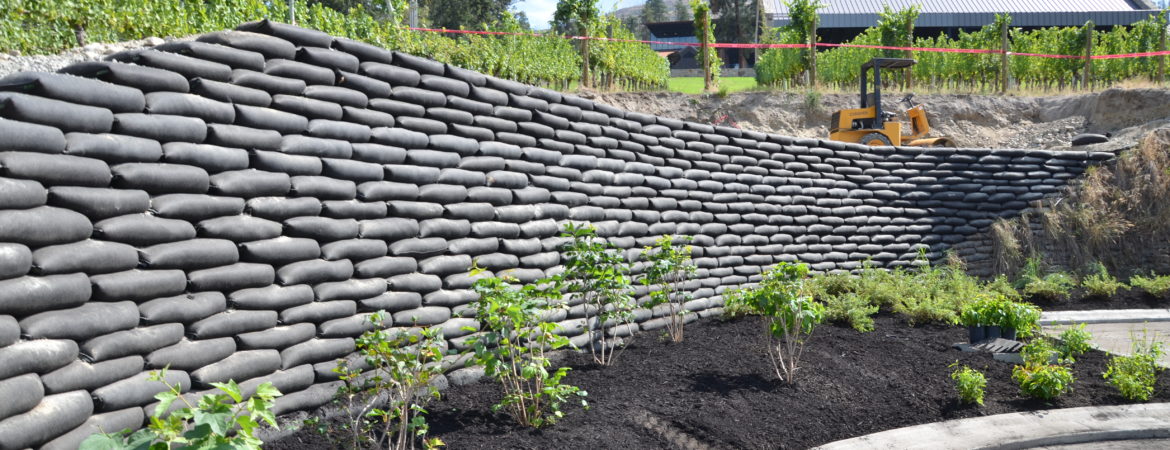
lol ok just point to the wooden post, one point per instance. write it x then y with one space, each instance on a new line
585 80
812 53
1087 73
910 54
609 77
704 49
1162 58
292 12
1003 57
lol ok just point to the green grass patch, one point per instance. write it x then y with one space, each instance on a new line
694 85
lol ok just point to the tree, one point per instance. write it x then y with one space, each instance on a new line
654 11
578 15
456 14
522 19
735 21
682 11
376 8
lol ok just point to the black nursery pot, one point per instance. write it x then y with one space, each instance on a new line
993 332
1009 333
976 333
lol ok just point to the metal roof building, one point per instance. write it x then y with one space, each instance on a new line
951 15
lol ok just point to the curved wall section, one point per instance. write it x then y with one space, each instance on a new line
234 206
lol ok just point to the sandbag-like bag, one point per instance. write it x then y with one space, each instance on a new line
22 194
177 104
161 178
423 316
191 254
322 229
391 302
277 338
73 89
55 113
271 297
363 51
30 295
142 229
146 79
281 208
384 267
270 119
269 46
54 170
137 390
356 171
323 188
314 271
129 418
445 264
89 376
354 249
473 246
20 394
230 93
83 322
162 128
113 148
418 247
89 256
36 356
242 137
352 289
212 158
184 309
351 327
292 33
54 416
318 312
309 73
97 203
315 351
307 399
271 84
415 282
186 66
233 57
231 277
138 285
240 365
279 251
195 207
242 228
9 331
231 323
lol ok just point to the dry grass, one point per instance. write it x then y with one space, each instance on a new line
1118 215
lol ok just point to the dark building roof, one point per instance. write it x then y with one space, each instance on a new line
976 13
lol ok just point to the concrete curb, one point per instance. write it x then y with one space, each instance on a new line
1025 430
1105 316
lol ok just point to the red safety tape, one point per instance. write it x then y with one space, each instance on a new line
819 44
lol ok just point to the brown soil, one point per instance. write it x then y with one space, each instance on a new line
718 390
1124 299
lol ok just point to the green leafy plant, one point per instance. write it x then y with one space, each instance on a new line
1136 374
791 315
227 420
1157 286
598 275
1040 351
1052 286
1074 342
735 307
1043 381
668 266
513 350
851 309
386 397
1022 317
1099 283
969 382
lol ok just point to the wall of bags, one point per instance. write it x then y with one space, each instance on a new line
235 206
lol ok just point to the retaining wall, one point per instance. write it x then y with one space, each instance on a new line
235 206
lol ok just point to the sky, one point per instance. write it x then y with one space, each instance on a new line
540 12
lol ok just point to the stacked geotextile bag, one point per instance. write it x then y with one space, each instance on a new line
235 207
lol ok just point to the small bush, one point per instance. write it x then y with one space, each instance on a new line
791 314
970 384
669 265
227 420
1043 381
1074 342
1157 286
1135 375
514 350
852 309
1040 351
1100 283
598 275
1052 286
735 307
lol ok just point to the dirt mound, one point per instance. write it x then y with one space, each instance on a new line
973 120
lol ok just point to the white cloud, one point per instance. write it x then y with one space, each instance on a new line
540 12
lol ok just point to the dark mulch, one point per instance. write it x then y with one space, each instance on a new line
718 389
1124 299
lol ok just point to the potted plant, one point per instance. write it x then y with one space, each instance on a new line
982 318
972 317
1019 319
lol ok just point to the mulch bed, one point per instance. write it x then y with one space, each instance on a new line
1124 299
717 390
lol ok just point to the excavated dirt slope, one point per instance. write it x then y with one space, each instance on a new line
973 120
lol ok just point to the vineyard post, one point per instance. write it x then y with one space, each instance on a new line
585 82
609 77
1162 58
812 53
704 46
910 54
1004 48
292 12
1087 73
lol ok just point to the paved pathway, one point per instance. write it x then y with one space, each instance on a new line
1093 427
1114 330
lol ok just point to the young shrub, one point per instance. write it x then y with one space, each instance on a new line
1053 286
387 401
1074 342
226 420
791 315
970 384
986 310
1043 381
668 266
1157 286
734 306
1135 375
514 350
1040 351
851 309
1099 283
599 275
1020 316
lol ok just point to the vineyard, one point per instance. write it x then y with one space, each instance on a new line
50 26
785 67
